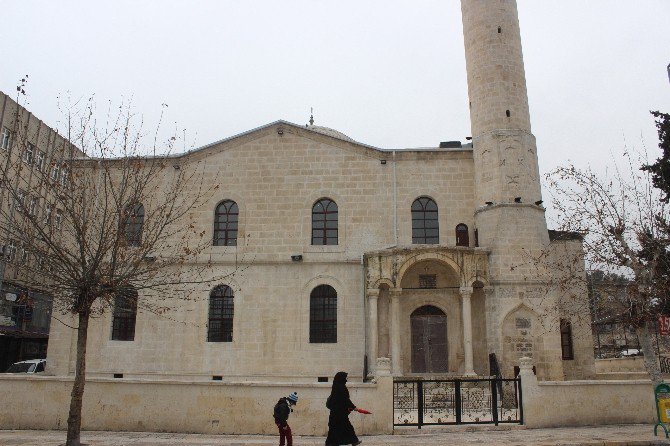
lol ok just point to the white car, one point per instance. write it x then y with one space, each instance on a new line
29 366
631 352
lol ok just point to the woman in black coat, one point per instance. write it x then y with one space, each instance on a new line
340 430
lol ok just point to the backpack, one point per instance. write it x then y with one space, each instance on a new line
281 410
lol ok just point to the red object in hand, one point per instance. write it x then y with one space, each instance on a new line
367 412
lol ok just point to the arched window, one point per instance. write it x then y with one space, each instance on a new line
425 227
124 315
134 219
221 310
225 223
323 315
462 235
324 222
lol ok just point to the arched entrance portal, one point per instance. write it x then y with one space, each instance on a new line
429 340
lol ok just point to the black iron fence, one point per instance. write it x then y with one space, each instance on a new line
457 401
664 362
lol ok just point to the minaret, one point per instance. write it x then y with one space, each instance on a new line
507 183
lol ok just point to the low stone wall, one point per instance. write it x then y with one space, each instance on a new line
584 403
42 402
620 365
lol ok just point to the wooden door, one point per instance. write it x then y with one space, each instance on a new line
429 341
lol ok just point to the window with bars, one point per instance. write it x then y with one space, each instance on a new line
221 312
226 218
125 315
566 340
324 222
425 226
323 315
134 224
427 281
462 235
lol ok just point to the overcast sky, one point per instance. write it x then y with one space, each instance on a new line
387 73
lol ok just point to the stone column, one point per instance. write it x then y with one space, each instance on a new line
373 295
466 293
396 366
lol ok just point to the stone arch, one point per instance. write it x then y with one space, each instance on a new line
322 279
520 337
429 303
379 283
427 256
478 282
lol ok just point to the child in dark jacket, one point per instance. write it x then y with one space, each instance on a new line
281 412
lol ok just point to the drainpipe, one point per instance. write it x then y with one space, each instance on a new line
366 366
395 203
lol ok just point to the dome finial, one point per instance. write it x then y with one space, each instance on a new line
311 116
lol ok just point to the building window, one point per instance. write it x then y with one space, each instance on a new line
125 315
29 153
134 224
64 176
59 219
425 226
5 139
226 217
24 256
10 251
54 172
427 281
48 210
566 340
324 222
20 200
462 235
323 315
39 162
221 311
32 206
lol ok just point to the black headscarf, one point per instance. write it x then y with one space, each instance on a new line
339 391
340 430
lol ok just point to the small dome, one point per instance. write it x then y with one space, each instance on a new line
329 132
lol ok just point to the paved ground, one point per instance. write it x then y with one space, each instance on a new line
626 435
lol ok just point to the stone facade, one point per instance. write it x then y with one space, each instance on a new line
395 299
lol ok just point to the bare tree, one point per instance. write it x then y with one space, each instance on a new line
101 219
624 227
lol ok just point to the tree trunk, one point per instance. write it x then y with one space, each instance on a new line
76 398
644 334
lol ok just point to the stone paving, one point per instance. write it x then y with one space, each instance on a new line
620 435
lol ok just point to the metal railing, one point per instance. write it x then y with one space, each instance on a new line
457 401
